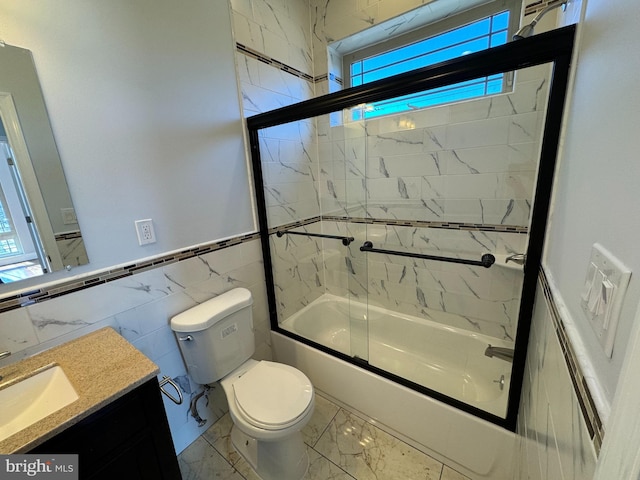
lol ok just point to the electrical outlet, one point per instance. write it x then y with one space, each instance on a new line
144 229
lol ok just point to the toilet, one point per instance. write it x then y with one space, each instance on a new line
269 402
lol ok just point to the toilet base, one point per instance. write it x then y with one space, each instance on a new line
284 459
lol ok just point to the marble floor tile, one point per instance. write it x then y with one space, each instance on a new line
320 468
324 412
201 461
219 436
340 444
366 452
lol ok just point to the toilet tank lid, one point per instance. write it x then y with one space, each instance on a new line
211 311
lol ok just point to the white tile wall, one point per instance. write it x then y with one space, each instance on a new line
472 161
553 441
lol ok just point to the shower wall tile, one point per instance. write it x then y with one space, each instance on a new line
297 269
471 298
473 161
276 29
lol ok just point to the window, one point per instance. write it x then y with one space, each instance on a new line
471 31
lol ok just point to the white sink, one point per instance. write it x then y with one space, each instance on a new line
24 403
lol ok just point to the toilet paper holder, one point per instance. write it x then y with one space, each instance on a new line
170 381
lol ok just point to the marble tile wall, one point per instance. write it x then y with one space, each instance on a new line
298 271
289 160
472 161
140 307
553 438
275 69
72 249
471 298
335 20
469 162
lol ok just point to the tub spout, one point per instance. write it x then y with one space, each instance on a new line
499 352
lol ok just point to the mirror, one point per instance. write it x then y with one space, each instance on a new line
39 232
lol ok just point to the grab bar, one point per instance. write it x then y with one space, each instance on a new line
346 241
486 260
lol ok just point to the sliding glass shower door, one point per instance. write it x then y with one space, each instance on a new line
409 242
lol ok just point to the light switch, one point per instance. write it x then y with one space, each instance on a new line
595 292
608 292
603 293
588 284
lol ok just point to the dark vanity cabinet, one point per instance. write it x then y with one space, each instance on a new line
127 439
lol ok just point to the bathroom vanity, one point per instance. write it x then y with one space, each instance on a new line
128 438
117 425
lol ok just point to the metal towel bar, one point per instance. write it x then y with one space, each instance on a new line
346 241
486 260
170 381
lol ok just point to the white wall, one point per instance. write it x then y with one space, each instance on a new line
595 197
145 110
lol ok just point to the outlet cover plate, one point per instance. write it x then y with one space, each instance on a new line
144 230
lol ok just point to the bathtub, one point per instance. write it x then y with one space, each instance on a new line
445 359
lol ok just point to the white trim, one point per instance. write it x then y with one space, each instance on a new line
588 371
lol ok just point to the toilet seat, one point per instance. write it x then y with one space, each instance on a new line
272 396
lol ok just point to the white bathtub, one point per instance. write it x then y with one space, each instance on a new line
445 359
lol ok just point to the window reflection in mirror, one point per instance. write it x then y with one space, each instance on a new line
39 232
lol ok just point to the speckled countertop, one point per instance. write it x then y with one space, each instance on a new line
102 366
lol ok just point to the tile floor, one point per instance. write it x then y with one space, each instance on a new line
341 446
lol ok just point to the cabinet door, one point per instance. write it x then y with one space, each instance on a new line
127 439
136 460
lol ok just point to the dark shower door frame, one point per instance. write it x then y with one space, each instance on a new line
553 47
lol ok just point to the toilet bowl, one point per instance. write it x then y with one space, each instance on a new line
269 402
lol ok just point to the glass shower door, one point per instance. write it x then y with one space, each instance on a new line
454 181
437 237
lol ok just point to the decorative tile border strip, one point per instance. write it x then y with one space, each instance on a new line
404 223
250 52
328 76
68 236
535 7
585 400
38 295
299 223
91 280
428 224
273 62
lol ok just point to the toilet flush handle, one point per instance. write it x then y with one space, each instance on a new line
188 338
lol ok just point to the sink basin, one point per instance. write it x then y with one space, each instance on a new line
24 403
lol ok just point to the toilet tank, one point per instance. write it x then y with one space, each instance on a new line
216 336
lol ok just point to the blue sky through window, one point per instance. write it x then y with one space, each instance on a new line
473 37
